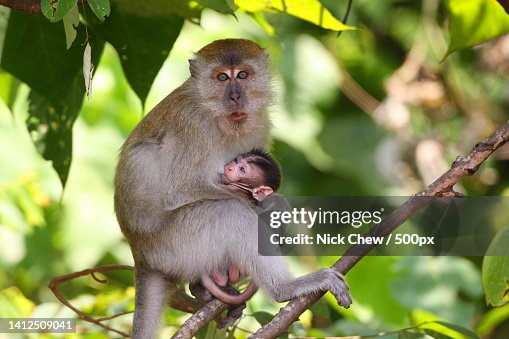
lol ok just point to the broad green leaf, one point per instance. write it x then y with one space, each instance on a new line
495 270
475 21
71 21
221 6
142 43
8 88
35 53
4 19
148 8
101 8
491 319
308 10
437 335
51 130
405 334
13 304
263 317
263 23
460 329
55 10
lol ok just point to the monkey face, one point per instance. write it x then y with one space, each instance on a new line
242 171
232 80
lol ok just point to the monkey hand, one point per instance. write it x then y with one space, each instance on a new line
336 284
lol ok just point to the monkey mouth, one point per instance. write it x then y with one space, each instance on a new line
237 117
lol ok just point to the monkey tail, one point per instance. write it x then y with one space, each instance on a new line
217 292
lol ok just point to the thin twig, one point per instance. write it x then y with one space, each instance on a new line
54 283
179 300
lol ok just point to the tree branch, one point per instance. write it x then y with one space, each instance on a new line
27 6
55 282
441 187
179 300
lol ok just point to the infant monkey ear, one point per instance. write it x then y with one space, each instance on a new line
261 192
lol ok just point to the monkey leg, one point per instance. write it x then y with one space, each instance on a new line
150 295
282 287
234 311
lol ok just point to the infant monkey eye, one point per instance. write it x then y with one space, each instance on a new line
242 75
242 169
222 77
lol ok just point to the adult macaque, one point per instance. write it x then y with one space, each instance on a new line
178 219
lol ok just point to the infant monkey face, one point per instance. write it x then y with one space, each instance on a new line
240 170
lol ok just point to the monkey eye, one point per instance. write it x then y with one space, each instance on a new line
242 169
222 77
242 75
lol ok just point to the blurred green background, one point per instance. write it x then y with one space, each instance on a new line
376 111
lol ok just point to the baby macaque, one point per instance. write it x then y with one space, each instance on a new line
253 176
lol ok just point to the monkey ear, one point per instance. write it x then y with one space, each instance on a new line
261 192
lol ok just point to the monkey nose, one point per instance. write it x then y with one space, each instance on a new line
235 97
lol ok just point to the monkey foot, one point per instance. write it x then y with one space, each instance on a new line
339 288
200 292
234 313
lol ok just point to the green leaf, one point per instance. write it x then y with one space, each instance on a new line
4 19
71 21
101 8
142 43
436 335
221 6
35 53
460 329
55 10
320 308
495 270
405 334
148 8
13 304
8 88
475 21
308 10
491 319
51 131
263 317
